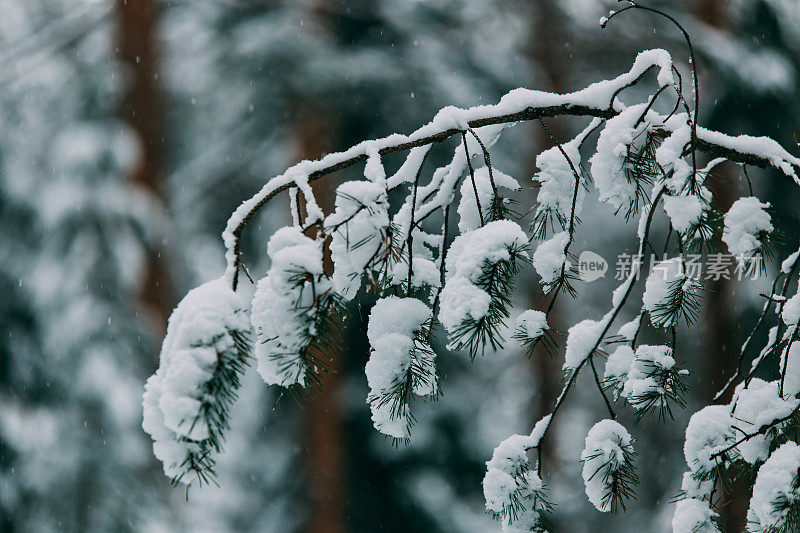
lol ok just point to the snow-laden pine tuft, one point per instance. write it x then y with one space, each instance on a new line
360 232
581 341
691 214
618 366
531 330
532 323
480 270
608 162
654 382
745 430
694 516
710 430
188 400
747 226
401 362
513 491
291 309
671 294
775 504
608 472
469 218
549 259
557 187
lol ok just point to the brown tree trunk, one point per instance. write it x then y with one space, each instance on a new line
550 77
720 354
324 435
140 109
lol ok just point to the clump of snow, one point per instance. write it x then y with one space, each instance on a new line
628 330
607 162
581 339
791 372
210 320
755 406
685 211
531 324
790 314
358 228
786 265
511 455
746 224
557 182
549 257
392 314
394 331
645 381
668 154
618 366
286 307
657 286
776 481
469 256
467 210
710 430
660 289
374 170
498 490
539 430
694 516
423 273
607 451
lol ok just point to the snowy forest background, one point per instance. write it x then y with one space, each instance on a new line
129 131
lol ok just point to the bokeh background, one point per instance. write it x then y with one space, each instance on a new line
130 129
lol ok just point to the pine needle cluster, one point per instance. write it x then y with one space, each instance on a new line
497 280
683 301
642 170
316 328
669 389
529 344
219 394
618 476
419 378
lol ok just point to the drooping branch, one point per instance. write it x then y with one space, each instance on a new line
597 100
644 226
760 431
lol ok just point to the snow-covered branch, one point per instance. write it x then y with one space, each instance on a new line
427 282
597 100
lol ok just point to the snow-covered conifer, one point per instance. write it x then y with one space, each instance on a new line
775 504
608 470
402 362
292 308
481 266
187 401
396 231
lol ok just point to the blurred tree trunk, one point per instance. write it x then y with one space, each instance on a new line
720 349
325 440
324 433
137 48
549 71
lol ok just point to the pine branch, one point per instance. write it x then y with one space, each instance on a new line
570 105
